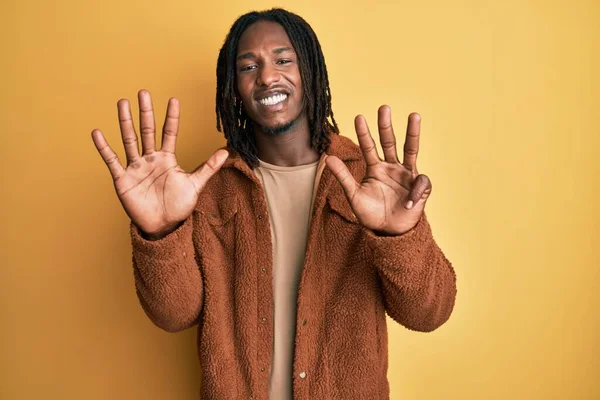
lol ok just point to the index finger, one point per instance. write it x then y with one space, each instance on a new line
411 144
365 140
171 126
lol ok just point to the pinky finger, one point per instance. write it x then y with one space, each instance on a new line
108 155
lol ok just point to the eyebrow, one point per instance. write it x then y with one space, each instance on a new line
250 55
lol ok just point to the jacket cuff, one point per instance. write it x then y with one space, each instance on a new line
401 250
175 245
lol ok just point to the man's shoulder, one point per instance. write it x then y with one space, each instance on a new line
227 180
350 153
219 197
344 148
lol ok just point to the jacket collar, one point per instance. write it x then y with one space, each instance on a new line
341 147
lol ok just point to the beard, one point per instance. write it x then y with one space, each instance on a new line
278 130
281 129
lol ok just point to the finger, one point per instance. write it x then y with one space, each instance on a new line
421 189
130 141
108 155
343 175
366 142
210 167
147 124
411 145
171 126
386 134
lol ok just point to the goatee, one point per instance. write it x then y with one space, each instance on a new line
277 130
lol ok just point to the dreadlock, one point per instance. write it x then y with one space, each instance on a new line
232 119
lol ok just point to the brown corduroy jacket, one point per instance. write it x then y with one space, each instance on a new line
215 272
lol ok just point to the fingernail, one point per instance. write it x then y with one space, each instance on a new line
409 204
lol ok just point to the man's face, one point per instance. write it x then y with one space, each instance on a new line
268 77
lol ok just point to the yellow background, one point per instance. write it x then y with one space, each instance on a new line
508 93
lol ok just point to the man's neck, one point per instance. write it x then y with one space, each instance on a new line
289 149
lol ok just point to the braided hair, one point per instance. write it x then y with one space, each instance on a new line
232 119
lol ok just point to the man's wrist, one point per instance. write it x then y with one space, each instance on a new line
161 234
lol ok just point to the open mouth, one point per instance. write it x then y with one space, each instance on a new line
274 99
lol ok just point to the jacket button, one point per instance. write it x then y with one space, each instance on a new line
304 323
260 217
302 375
263 319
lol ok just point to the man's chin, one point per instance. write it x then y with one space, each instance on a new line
278 129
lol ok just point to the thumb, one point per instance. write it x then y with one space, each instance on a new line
343 175
210 167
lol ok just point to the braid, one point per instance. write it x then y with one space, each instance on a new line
232 119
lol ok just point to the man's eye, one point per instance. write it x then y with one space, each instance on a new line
284 61
247 68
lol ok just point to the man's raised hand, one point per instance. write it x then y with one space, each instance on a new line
154 191
391 197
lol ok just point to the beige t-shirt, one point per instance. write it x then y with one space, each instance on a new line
290 193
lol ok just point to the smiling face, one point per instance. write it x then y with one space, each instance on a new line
268 78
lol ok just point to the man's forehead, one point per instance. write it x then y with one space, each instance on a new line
264 34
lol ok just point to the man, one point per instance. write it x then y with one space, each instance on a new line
288 247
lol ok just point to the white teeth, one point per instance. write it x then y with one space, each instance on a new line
269 101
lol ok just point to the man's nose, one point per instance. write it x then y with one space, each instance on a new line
268 75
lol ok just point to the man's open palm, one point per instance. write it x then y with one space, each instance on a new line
155 192
391 197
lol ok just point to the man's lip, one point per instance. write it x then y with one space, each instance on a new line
265 95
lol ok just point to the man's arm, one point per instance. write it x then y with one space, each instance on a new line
168 279
157 195
419 283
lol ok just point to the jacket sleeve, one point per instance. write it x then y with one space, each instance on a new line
419 283
167 276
